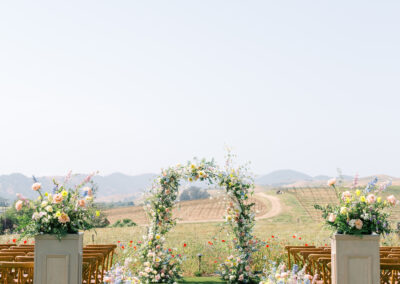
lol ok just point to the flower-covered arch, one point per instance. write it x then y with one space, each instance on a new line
159 264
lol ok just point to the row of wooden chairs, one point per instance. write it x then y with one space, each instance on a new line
97 259
318 261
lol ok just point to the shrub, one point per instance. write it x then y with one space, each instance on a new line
194 193
124 223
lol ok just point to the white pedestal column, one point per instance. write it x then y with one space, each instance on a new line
58 262
355 260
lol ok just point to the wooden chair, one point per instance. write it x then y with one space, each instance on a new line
393 255
7 258
326 269
26 250
25 258
111 248
384 253
96 275
307 261
289 248
90 270
7 245
316 267
12 250
13 253
105 252
86 272
390 273
385 248
297 257
16 272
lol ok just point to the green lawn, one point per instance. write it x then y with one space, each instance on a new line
202 280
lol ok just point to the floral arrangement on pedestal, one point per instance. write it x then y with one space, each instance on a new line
359 212
64 210
160 264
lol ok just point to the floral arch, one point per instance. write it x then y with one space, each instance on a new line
159 265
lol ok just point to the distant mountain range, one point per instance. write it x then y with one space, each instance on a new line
291 178
114 187
121 187
287 177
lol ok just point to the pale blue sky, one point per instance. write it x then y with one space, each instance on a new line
134 86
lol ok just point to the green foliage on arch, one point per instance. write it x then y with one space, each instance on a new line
160 265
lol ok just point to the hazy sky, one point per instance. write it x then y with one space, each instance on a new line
133 86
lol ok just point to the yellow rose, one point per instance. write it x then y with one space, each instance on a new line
58 214
64 193
358 192
379 199
46 194
362 198
97 213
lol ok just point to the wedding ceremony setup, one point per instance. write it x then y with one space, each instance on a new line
51 246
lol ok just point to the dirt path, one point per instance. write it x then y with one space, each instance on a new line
276 206
276 209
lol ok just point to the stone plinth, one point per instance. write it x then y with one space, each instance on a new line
355 259
58 262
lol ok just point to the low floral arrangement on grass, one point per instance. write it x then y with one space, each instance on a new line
120 274
279 275
359 212
65 210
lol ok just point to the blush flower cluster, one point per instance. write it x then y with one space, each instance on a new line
64 210
359 212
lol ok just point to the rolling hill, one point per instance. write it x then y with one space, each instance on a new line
122 187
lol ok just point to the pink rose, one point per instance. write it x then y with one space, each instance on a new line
346 195
63 218
358 223
58 198
371 198
36 186
331 182
18 205
81 202
331 217
392 200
